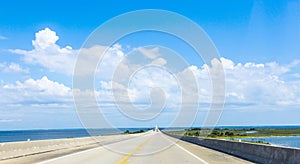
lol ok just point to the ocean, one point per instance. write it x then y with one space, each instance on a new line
287 141
24 135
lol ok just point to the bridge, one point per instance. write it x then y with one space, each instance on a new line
153 147
150 147
147 148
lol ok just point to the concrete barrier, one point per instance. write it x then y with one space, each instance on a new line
11 150
258 153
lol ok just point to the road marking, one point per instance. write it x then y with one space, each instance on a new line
190 153
139 147
102 146
68 155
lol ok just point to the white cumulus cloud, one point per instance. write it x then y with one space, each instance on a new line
33 91
48 53
246 83
261 83
12 67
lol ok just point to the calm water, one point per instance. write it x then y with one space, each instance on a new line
290 141
23 135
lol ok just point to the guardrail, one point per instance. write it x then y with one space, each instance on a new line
258 153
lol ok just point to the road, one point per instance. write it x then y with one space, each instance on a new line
152 147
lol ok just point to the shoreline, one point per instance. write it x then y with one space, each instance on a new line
282 137
270 136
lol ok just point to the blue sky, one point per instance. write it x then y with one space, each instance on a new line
257 40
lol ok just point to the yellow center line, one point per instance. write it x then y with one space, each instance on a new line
139 147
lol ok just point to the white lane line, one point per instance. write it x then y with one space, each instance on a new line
69 155
88 150
190 153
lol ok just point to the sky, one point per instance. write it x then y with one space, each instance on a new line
258 43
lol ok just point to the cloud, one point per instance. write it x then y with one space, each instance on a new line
48 53
12 67
3 37
109 62
137 82
10 120
261 83
248 83
31 91
159 61
45 38
150 53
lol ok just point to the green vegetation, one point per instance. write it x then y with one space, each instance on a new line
259 142
128 132
233 134
240 133
210 132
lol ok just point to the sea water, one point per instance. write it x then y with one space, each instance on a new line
287 141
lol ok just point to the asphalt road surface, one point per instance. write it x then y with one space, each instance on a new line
150 148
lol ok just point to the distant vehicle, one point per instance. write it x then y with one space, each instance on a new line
156 128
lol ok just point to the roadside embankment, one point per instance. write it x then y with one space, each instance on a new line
258 153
